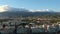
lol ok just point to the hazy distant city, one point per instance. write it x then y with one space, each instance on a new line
23 21
29 17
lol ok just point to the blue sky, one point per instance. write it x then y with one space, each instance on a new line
33 4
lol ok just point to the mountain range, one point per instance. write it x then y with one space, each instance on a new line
7 11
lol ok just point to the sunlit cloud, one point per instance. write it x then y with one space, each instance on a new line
4 8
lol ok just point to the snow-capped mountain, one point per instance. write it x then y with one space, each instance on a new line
9 11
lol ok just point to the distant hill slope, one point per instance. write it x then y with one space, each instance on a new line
30 14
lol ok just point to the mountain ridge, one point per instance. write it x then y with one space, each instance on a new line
17 12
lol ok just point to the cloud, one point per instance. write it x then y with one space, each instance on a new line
4 8
43 10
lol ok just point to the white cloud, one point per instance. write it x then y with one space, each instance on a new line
43 10
4 8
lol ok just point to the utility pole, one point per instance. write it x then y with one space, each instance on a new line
15 30
30 31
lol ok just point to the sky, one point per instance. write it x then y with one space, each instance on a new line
33 4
